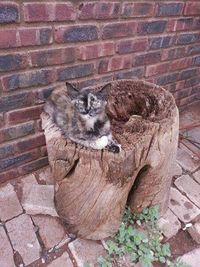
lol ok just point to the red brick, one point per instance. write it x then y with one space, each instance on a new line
192 8
25 114
180 24
182 63
132 10
50 57
115 63
96 50
148 58
39 12
169 9
30 142
14 61
157 69
151 27
34 165
121 29
1 120
8 38
129 46
9 12
173 53
103 10
180 85
28 79
35 36
8 175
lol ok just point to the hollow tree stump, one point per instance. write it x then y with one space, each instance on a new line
92 187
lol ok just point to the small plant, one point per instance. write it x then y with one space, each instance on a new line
138 245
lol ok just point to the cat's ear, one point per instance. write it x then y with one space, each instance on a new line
72 91
104 91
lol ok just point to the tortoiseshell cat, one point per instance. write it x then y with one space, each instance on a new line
81 116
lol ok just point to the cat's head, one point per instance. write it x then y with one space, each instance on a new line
89 102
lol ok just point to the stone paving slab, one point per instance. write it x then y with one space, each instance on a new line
6 251
184 209
86 251
9 203
197 176
63 261
194 231
192 258
186 160
190 188
169 224
50 229
39 200
23 238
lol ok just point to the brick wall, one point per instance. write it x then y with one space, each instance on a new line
46 42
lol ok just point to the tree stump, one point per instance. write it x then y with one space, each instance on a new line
92 187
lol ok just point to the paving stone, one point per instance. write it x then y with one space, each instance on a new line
46 176
9 203
182 207
40 200
50 229
190 188
169 224
63 261
176 169
192 258
187 161
194 231
6 252
86 251
197 176
26 184
23 238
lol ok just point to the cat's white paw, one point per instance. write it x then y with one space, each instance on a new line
101 142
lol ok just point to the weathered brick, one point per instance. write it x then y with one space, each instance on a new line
18 160
17 131
8 38
30 143
75 72
115 63
180 24
23 238
187 38
132 10
63 260
161 42
6 150
167 78
39 12
13 62
9 12
6 251
103 10
150 27
28 79
192 8
188 73
157 69
197 61
25 114
50 57
96 50
17 101
9 203
192 82
169 9
69 34
35 36
148 58
129 46
122 29
8 175
173 53
192 50
182 63
186 160
131 73
34 165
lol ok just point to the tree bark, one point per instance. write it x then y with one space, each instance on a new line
92 187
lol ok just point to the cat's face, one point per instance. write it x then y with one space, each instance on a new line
89 103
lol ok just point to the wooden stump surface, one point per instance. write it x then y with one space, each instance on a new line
92 187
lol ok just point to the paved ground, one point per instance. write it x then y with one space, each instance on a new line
34 240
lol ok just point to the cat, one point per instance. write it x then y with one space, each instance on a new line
81 116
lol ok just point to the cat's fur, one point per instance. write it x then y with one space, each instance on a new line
81 116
